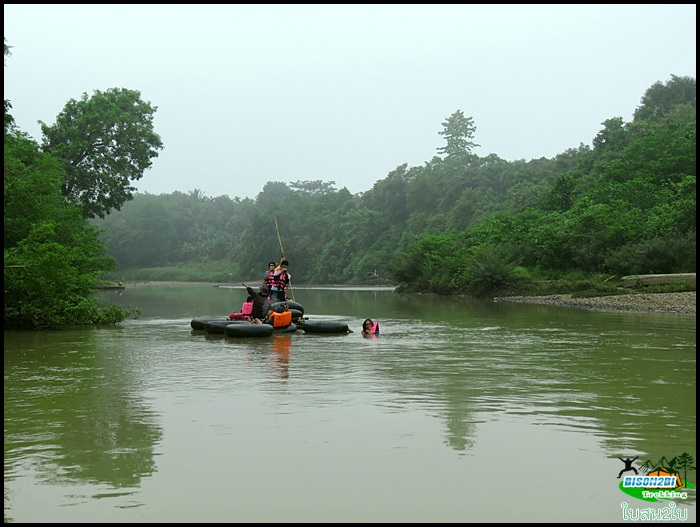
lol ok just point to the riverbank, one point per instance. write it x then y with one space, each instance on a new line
682 303
678 303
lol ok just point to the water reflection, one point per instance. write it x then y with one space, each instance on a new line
74 398
282 354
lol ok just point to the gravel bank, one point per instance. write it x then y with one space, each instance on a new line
678 303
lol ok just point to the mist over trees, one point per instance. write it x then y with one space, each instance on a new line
459 223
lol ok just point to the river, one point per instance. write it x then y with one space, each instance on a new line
460 411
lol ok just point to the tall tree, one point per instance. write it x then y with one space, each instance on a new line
7 105
660 98
106 141
458 132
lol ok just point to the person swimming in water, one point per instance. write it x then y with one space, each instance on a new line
369 327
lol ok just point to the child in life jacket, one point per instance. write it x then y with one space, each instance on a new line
247 307
246 311
369 327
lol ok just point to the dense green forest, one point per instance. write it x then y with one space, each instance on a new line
460 223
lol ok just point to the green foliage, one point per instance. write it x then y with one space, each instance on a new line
488 272
31 187
613 137
7 105
576 284
48 283
521 273
562 195
388 195
114 314
434 263
661 98
660 255
106 141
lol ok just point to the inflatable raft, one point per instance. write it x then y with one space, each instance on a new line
256 330
245 328
324 326
238 328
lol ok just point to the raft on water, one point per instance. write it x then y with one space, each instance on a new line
238 328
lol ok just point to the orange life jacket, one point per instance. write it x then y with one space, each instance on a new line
280 320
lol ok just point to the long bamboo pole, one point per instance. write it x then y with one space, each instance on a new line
279 237
291 291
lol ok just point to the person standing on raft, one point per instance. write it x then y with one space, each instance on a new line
281 279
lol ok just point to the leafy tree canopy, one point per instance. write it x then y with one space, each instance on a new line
106 141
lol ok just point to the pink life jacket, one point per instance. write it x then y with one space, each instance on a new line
280 280
375 328
269 279
247 308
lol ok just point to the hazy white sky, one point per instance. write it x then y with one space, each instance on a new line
343 92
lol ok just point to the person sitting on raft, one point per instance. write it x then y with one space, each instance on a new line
281 317
370 327
246 311
247 307
261 303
